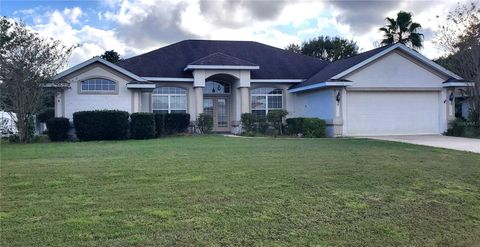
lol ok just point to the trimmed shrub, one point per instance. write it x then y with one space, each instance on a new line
101 125
205 123
456 127
276 118
261 124
248 123
308 127
58 129
314 127
171 123
160 124
46 114
295 125
142 125
177 122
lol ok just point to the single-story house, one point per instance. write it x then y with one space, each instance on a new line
391 90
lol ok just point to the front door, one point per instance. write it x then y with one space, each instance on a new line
217 108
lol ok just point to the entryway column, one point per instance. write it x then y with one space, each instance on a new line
244 100
198 85
198 100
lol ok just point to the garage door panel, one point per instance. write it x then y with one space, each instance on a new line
392 113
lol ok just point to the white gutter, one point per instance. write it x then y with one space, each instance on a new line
168 79
320 85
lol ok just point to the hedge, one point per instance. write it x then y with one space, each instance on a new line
101 125
142 125
309 127
314 127
46 114
58 129
171 123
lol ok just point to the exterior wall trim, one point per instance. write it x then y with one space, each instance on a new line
140 86
277 80
80 91
320 85
408 89
233 67
172 79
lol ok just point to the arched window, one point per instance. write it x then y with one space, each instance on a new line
98 85
169 99
265 99
216 87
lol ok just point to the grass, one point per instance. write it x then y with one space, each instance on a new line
213 190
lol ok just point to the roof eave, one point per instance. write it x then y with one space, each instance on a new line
100 60
319 86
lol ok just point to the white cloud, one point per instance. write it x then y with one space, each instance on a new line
142 25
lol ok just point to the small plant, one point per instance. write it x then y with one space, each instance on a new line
205 123
248 123
142 125
276 118
58 129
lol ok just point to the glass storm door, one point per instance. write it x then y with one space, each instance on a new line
218 109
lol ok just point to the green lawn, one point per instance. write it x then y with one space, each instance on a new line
213 190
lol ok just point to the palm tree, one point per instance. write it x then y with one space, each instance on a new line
402 30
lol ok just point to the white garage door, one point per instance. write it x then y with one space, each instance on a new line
392 113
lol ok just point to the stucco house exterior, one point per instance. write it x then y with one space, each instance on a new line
391 90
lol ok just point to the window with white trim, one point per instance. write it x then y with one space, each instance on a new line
169 100
98 85
266 99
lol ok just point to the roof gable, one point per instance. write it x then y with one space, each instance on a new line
336 71
97 60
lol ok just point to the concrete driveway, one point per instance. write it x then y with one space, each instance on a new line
456 143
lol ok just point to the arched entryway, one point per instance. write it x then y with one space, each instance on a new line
217 100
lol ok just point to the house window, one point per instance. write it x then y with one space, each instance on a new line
266 99
214 87
98 85
169 99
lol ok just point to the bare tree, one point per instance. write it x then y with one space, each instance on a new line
460 38
28 62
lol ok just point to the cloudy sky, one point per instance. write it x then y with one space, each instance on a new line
134 26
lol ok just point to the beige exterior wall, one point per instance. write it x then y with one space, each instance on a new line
74 100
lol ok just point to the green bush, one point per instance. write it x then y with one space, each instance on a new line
160 124
456 127
101 125
171 123
142 125
46 114
276 118
314 127
58 129
177 122
205 123
295 125
248 123
261 124
308 127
